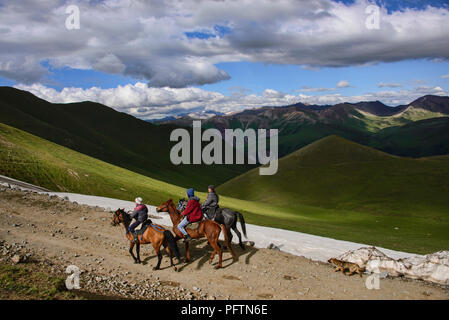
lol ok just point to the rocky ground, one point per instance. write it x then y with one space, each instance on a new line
50 233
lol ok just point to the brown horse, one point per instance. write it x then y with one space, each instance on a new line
207 228
154 234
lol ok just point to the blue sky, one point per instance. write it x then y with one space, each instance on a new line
224 58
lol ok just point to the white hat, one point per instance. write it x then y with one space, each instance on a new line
138 200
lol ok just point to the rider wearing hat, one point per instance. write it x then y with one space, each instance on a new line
140 213
211 204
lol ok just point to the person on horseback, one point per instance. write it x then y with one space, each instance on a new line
211 204
140 213
192 213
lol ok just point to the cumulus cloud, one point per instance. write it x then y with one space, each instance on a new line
389 85
343 84
155 41
147 102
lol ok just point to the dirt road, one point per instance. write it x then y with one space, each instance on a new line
66 233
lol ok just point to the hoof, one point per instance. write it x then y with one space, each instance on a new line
217 267
155 268
136 262
175 269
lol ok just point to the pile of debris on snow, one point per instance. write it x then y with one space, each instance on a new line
432 267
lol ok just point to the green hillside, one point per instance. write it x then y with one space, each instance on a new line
340 187
336 173
103 133
417 139
32 159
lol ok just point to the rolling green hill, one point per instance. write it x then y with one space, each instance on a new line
32 159
416 139
334 186
103 133
35 160
336 173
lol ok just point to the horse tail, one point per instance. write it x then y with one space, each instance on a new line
242 223
225 231
172 245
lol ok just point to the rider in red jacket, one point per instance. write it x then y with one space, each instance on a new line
192 213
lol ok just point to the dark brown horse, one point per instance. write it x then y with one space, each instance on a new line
154 234
207 228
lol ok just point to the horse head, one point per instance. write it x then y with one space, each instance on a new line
165 206
119 216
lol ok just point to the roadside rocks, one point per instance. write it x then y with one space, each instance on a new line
17 259
14 252
114 284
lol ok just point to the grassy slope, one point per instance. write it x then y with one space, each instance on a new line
375 123
35 160
32 159
334 187
418 139
103 133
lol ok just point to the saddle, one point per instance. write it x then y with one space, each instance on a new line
210 212
144 227
193 226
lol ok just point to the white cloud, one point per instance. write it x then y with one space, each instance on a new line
147 40
446 76
389 85
147 102
343 84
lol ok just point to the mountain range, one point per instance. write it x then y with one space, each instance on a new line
418 129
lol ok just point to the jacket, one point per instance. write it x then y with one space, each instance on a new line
193 210
140 213
211 201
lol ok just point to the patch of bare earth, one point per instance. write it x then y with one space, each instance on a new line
66 233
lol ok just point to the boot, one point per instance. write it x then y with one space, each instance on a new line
187 238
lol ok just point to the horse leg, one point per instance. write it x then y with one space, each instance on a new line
234 227
212 256
167 249
187 259
214 243
138 252
220 255
131 246
159 256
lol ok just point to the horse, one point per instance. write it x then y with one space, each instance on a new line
224 216
154 234
207 228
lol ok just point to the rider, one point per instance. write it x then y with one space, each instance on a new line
211 204
192 213
140 213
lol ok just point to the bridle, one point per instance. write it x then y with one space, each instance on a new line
120 214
